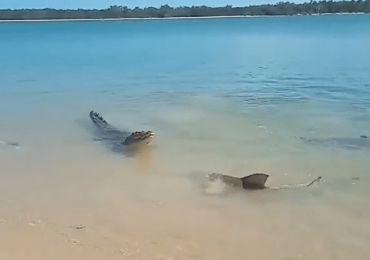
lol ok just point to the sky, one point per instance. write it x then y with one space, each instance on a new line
102 4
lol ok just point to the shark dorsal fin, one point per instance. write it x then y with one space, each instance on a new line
255 181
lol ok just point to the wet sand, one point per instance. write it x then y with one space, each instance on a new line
62 195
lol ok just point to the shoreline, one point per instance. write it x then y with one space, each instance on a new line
172 18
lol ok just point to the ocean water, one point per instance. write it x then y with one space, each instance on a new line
287 96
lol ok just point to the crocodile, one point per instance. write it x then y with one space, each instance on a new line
116 139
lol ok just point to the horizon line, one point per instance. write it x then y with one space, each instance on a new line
168 6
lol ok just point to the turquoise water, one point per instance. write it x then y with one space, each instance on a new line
259 61
232 95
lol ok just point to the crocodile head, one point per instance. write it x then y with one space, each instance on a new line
139 138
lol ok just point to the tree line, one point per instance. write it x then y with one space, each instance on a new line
281 8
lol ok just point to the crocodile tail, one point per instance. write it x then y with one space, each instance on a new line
98 119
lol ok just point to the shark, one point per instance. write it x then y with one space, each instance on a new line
256 181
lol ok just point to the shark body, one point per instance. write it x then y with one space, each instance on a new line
256 181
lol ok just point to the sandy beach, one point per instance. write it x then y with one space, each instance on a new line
66 196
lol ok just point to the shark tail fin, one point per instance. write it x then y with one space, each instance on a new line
255 181
317 180
98 119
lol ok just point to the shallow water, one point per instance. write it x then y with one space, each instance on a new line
226 95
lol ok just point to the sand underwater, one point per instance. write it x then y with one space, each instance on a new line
63 195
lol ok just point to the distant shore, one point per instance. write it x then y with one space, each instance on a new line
166 18
120 12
